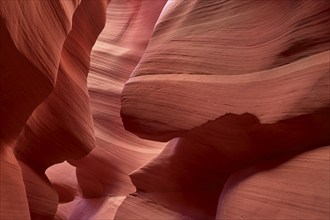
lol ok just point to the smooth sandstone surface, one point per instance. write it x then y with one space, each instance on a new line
114 57
144 209
28 74
53 67
266 58
11 183
63 122
30 52
250 80
291 187
238 90
103 173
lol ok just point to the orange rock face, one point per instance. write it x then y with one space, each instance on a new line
43 37
292 187
90 91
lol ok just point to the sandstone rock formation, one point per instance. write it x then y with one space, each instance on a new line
29 60
239 90
195 56
299 182
43 37
238 83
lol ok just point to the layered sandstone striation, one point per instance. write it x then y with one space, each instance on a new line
29 59
102 176
238 83
44 98
300 182
90 91
212 63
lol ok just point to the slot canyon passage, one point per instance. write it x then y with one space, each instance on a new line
164 109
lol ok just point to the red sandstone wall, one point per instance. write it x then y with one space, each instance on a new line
238 90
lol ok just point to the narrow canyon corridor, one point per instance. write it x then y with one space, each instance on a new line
164 110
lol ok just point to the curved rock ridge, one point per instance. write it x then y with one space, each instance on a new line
118 50
188 175
25 29
11 183
212 62
291 90
262 190
34 65
238 83
104 171
240 90
63 122
31 40
230 37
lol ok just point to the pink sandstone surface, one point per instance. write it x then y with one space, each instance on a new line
155 109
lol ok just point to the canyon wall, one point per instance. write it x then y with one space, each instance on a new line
155 109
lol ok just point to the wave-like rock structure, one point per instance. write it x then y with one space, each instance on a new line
49 39
30 55
198 46
299 182
238 90
238 83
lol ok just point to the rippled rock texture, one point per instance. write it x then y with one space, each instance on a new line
155 109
